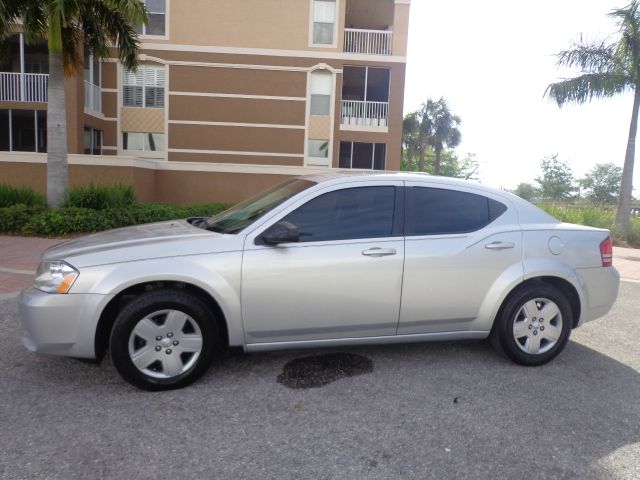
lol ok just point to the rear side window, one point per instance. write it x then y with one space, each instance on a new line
362 212
438 211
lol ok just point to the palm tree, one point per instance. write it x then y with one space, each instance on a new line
444 129
416 135
69 26
608 69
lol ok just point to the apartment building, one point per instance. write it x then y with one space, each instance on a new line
231 96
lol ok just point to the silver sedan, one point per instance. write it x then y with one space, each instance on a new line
325 260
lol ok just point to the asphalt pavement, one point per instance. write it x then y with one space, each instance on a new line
421 411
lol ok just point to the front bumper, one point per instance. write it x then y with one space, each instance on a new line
64 325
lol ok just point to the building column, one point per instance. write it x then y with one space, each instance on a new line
22 83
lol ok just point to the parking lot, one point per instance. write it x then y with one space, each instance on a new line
424 411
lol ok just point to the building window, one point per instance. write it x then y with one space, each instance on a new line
321 83
319 148
23 130
144 87
157 18
324 20
92 77
144 142
92 141
368 156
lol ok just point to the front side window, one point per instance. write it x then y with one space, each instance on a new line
23 130
145 142
144 87
438 211
324 19
156 25
351 213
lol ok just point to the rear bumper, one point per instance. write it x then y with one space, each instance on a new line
601 285
63 325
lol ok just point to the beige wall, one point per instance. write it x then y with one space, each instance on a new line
277 24
237 81
237 159
240 110
204 187
34 175
241 139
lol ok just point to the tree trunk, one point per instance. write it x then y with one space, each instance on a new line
623 215
421 160
436 165
57 170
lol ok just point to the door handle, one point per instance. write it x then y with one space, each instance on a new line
499 245
379 252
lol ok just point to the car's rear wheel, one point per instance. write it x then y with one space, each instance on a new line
533 326
164 339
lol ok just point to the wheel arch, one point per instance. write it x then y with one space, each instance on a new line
122 298
559 283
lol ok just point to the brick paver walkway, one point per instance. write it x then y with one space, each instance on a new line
19 258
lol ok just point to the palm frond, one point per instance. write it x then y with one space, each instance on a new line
587 87
592 57
112 22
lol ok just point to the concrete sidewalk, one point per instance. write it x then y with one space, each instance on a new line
19 258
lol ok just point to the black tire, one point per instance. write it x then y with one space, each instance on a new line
503 335
156 301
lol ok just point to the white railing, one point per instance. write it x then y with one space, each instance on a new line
28 87
92 97
366 114
370 42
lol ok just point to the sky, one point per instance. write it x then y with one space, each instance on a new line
492 61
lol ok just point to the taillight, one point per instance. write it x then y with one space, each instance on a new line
606 252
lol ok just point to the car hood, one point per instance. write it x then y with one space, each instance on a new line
153 240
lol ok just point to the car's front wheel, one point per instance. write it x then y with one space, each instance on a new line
533 326
164 339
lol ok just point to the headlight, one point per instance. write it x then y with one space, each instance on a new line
55 277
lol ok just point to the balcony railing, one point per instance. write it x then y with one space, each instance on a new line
369 42
27 87
365 114
92 97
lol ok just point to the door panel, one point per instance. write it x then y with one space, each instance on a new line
332 283
447 276
321 291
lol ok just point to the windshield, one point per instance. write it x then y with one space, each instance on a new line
243 214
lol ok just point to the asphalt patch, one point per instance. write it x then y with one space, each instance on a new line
320 370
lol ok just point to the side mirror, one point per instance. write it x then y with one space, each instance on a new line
281 232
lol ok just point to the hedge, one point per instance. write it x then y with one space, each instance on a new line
39 221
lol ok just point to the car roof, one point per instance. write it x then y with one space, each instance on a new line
408 176
528 212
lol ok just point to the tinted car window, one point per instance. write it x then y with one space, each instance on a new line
433 211
362 212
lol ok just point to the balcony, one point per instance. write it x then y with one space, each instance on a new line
368 42
369 26
23 87
364 115
92 97
365 99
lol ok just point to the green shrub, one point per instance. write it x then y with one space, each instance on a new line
24 220
597 217
10 196
100 197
